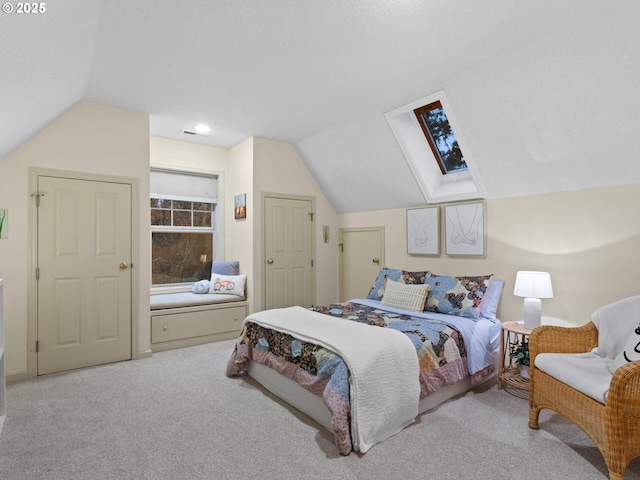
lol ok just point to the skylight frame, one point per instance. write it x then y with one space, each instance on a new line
435 187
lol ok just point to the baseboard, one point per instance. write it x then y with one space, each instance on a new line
17 377
141 355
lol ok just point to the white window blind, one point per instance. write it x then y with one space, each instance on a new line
184 186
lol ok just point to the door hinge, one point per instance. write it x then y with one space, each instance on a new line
37 345
341 245
37 273
37 195
311 215
312 262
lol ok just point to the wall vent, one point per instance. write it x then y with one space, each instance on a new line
191 132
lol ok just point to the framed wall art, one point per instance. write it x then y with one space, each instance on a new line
4 223
240 206
465 229
423 231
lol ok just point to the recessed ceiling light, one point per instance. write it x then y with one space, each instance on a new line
202 128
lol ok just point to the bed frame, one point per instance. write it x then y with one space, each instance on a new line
314 407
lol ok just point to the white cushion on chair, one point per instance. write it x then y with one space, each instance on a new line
585 372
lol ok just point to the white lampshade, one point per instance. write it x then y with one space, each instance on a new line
533 286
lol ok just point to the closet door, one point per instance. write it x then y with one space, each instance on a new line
361 257
288 252
84 275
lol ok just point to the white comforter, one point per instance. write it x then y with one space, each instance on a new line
383 365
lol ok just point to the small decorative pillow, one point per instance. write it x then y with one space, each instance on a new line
226 268
407 297
459 296
231 284
201 287
630 352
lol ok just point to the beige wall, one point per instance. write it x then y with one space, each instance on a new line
88 138
589 240
253 167
277 168
239 232
176 153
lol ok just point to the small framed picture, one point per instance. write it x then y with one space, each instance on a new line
240 206
325 233
465 229
4 223
423 231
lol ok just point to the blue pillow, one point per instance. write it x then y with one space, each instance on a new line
461 296
226 268
377 289
201 287
491 299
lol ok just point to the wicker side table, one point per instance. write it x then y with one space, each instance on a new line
509 373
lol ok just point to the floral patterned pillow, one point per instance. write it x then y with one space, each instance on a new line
459 296
414 278
403 276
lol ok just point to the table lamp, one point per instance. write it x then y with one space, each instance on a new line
533 286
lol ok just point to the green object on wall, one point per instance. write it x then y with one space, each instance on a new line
4 223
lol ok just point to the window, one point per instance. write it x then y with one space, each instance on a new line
436 128
435 156
183 226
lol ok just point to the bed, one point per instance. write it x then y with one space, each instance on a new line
364 383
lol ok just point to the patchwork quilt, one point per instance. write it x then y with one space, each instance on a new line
439 346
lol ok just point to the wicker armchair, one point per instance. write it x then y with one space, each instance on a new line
614 426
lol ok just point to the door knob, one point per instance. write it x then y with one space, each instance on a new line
124 266
375 260
269 261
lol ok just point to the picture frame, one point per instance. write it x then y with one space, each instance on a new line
240 206
423 231
465 229
4 223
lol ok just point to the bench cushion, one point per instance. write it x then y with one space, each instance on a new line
584 372
188 299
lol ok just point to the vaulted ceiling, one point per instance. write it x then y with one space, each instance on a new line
545 93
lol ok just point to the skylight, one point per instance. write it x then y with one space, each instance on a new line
439 134
433 146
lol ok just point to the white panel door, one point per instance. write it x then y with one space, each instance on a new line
288 252
84 275
361 257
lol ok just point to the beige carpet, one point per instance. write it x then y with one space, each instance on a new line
176 416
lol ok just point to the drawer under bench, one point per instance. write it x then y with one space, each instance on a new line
195 325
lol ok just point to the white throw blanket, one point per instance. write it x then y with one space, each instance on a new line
382 362
615 322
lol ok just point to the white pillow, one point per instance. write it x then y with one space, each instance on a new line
405 296
629 353
230 284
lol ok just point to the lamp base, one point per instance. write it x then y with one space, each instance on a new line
532 313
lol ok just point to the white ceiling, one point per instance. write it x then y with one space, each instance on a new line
545 93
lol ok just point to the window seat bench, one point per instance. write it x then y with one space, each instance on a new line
185 319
